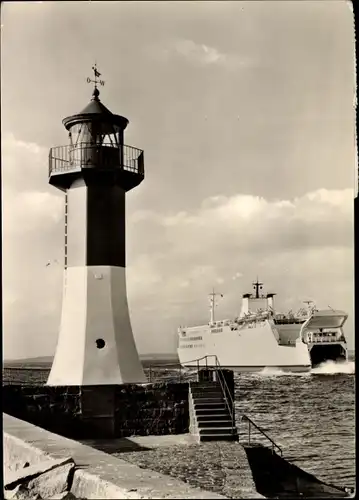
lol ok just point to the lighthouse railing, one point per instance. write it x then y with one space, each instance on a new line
91 155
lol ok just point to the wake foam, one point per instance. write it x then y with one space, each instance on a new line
333 368
271 372
277 372
325 368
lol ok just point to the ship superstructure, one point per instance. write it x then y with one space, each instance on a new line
261 338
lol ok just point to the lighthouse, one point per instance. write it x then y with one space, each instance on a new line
95 170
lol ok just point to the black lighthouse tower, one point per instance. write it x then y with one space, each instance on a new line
95 170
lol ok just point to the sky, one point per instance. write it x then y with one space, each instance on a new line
246 114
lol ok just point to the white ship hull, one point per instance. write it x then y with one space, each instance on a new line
245 350
260 338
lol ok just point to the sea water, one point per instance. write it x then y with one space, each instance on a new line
309 415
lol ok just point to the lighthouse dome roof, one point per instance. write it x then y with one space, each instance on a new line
95 111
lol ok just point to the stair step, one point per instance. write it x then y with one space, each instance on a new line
208 400
214 423
207 394
205 385
212 412
215 403
218 437
210 417
217 430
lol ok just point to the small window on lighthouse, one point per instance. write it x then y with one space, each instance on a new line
100 343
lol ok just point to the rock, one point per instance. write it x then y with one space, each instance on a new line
9 495
21 476
65 495
53 482
21 492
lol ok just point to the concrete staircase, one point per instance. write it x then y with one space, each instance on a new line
210 418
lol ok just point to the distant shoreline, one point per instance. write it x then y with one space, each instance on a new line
45 362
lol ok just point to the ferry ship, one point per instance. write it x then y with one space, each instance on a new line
262 338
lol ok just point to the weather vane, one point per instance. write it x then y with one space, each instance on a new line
97 75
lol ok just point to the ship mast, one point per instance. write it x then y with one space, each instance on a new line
310 305
212 297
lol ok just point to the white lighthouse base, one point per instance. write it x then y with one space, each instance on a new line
95 344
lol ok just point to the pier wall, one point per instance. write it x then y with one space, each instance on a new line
96 474
17 453
102 411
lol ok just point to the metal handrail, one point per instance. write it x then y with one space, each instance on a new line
250 422
226 391
174 365
88 155
224 386
217 367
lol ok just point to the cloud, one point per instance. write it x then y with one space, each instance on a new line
200 54
229 224
32 233
29 203
322 218
301 248
223 100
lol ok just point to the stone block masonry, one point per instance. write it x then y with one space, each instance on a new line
54 408
102 411
156 409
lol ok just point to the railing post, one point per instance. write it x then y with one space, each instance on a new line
140 164
150 373
249 432
180 372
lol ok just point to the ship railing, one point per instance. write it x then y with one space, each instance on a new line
289 321
251 424
324 338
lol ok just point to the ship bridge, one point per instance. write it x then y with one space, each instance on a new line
256 302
